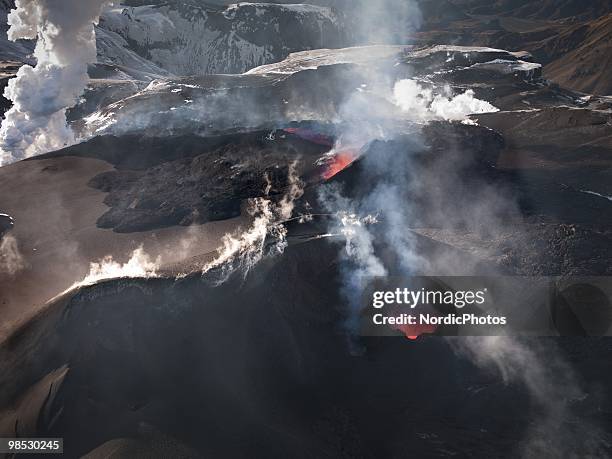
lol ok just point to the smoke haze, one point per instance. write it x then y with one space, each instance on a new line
552 386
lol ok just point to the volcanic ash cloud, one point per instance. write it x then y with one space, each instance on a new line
66 44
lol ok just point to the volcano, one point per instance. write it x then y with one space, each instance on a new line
186 279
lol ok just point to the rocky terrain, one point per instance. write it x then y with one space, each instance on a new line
571 39
187 38
551 154
193 38
241 372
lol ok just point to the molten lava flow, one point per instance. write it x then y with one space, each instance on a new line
339 162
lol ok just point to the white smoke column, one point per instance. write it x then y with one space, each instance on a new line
140 265
246 249
389 200
359 259
359 245
388 197
421 104
11 260
36 123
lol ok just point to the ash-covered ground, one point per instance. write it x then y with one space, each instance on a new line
190 203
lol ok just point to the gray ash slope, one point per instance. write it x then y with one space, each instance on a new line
242 372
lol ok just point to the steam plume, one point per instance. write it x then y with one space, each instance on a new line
246 249
11 260
422 104
36 123
389 170
359 259
140 265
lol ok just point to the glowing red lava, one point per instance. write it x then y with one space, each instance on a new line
412 332
339 162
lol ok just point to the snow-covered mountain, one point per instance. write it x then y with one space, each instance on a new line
186 39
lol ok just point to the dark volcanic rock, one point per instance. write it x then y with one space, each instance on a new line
272 375
183 180
209 182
